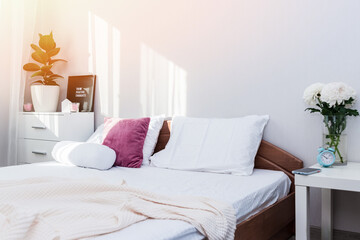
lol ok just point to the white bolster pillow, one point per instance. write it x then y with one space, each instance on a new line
83 154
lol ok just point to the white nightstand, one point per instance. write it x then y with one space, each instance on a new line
345 178
39 132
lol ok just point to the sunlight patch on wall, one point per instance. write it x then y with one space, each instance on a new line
163 85
104 61
101 42
91 62
116 71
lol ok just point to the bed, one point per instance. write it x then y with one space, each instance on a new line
276 221
271 216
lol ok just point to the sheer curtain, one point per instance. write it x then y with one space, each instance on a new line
17 23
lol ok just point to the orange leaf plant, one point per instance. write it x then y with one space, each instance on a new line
43 55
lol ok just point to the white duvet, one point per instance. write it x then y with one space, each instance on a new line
247 194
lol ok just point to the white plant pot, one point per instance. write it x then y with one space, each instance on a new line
45 98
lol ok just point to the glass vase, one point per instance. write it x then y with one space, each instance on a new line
334 136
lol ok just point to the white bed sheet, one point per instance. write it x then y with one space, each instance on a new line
247 194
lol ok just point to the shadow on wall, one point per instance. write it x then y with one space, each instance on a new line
162 84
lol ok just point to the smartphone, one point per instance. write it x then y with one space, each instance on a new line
306 171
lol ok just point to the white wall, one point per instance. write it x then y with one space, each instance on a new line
211 58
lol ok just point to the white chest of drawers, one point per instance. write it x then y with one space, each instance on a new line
39 132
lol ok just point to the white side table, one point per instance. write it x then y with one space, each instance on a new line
40 131
345 178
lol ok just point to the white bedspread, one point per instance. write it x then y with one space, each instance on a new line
247 194
49 208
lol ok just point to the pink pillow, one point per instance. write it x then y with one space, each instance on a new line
126 137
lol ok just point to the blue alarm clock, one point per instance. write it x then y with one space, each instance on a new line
326 157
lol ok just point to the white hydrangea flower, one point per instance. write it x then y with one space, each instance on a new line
312 92
337 92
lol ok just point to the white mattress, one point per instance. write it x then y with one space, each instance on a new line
247 194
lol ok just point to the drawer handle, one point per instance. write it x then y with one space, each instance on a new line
39 153
38 127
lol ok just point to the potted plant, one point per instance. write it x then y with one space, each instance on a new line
44 91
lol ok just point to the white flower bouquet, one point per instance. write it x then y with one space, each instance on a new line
334 102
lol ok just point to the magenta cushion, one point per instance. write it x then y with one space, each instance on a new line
126 137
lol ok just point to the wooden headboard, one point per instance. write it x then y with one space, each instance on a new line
268 157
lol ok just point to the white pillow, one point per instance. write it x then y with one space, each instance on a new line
212 145
152 135
89 155
97 136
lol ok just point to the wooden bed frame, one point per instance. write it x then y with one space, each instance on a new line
276 221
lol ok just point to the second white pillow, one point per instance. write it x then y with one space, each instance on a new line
212 145
152 135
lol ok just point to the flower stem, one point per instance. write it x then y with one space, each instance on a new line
337 149
334 143
335 125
